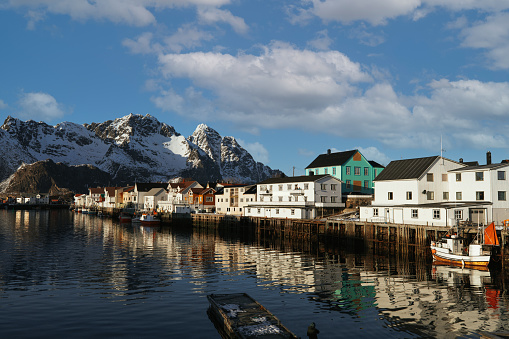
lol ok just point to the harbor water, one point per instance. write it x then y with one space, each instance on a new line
67 275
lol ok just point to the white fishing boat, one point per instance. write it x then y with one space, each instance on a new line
147 219
453 250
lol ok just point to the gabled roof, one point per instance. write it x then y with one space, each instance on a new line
406 169
302 178
156 191
96 190
375 164
145 187
332 159
251 190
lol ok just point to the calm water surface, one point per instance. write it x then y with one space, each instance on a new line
65 275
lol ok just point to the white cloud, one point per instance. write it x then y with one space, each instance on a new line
322 41
257 150
40 106
326 92
491 35
136 13
187 37
281 78
211 15
373 11
379 12
142 45
373 153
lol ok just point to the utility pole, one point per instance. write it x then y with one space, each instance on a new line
293 171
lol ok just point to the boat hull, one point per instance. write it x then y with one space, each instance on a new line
150 223
442 255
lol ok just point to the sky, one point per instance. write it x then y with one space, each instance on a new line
289 79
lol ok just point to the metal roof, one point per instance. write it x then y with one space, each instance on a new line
406 169
332 159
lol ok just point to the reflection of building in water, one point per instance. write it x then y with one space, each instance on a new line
456 302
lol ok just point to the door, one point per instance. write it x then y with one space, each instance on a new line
478 216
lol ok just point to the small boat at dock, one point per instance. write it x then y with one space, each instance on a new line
147 219
238 315
453 250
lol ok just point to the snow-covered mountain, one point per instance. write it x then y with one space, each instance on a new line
131 148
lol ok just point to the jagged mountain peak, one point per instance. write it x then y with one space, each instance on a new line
133 147
122 130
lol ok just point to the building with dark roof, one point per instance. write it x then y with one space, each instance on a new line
437 191
351 167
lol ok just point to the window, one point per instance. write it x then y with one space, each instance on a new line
445 196
436 214
347 170
249 210
458 214
458 176
375 212
333 170
280 198
290 198
415 214
459 196
409 195
376 172
366 171
259 210
501 175
289 186
479 195
501 195
430 195
277 210
323 187
389 195
305 198
209 199
366 183
325 171
333 199
317 171
479 176
280 187
306 186
241 199
444 177
292 212
333 187
429 177
348 183
356 170
323 199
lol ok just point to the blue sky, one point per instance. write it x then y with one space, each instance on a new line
288 79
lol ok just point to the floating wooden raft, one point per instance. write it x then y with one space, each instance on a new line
240 316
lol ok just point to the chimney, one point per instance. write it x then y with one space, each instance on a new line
461 160
488 158
328 151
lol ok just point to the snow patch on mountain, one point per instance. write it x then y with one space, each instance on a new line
131 148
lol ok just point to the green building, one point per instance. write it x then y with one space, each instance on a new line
351 167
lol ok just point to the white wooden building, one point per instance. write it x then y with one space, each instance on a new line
303 197
437 191
233 199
